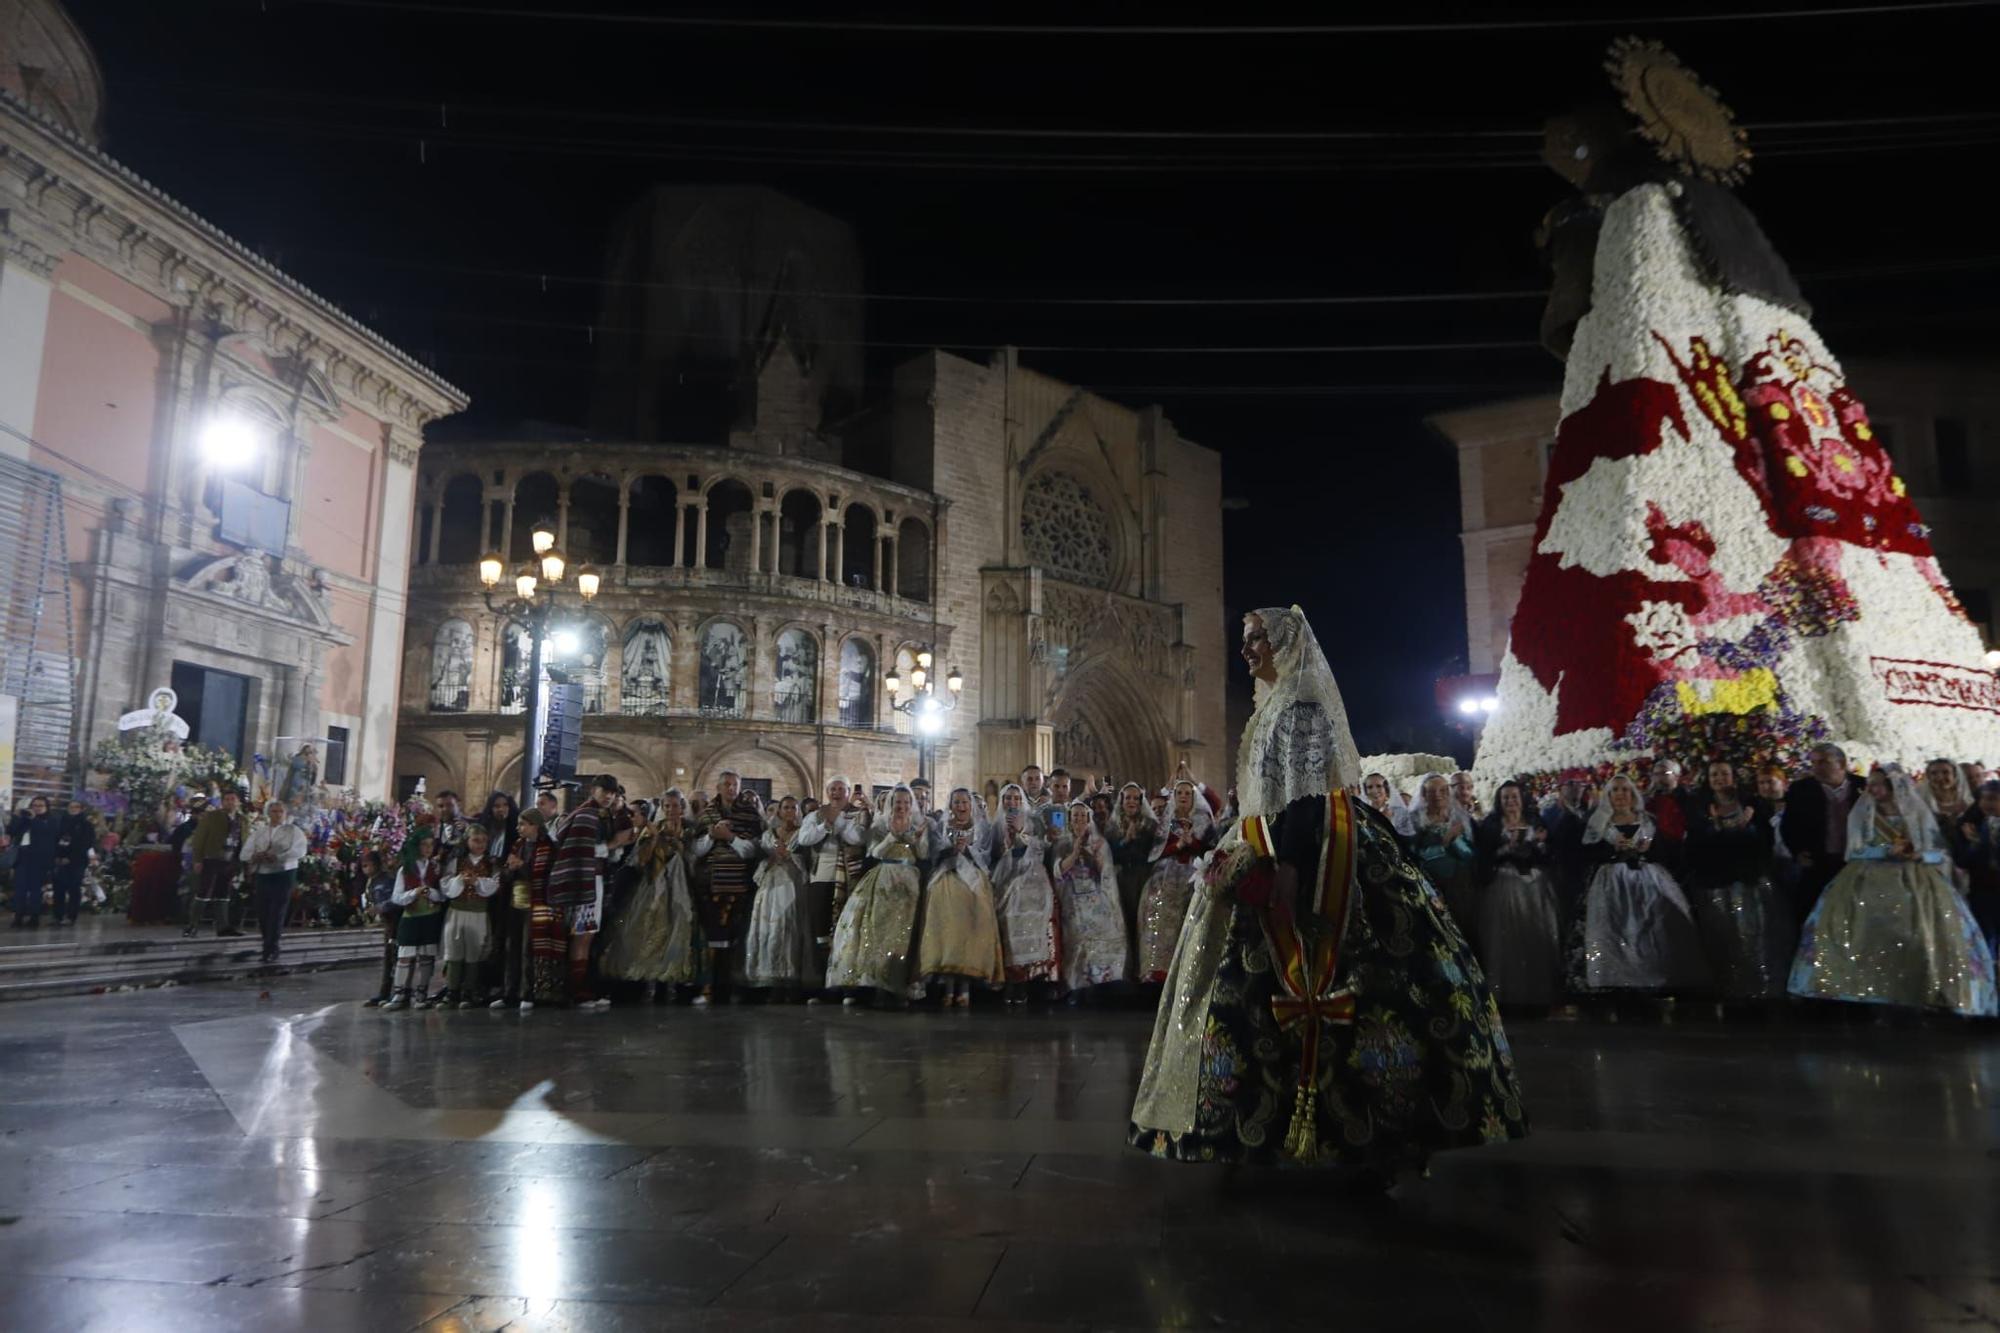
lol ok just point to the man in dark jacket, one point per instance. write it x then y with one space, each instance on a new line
76 839
216 844
1815 822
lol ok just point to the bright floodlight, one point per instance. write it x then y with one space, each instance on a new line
1468 706
1488 704
930 718
228 441
567 642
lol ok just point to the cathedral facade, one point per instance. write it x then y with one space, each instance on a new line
1059 552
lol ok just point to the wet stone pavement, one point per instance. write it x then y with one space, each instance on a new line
209 1158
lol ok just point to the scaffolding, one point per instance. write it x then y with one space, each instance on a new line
37 657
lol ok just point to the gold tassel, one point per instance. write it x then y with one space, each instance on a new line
1301 1140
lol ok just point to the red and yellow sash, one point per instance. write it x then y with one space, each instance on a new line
1307 999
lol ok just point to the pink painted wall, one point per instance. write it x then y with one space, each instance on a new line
335 508
346 667
95 402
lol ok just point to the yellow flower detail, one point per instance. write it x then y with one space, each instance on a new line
1861 431
1795 465
1779 412
1896 485
1752 692
1843 462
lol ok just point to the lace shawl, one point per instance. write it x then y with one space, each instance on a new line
1297 742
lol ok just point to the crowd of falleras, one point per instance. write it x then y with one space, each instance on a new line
1701 883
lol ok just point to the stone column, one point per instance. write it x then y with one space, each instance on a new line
562 518
834 574
879 539
893 585
829 676
683 676
624 518
291 709
701 535
437 531
879 693
819 547
680 511
507 530
756 537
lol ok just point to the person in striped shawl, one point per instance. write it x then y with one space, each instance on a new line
724 850
576 882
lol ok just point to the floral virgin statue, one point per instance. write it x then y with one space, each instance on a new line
1321 1008
1726 562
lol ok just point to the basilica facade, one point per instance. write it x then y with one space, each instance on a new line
1061 553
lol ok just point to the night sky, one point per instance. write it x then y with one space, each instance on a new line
448 172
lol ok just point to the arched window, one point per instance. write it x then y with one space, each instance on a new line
799 535
593 521
536 499
857 684
725 671
913 560
857 552
728 528
462 538
795 693
1065 530
649 536
451 667
580 652
649 653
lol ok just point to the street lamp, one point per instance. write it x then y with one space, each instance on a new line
533 606
926 706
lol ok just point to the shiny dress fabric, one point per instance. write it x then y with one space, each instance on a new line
1520 922
1746 923
1025 903
1894 932
1422 1067
1093 929
778 944
1163 906
653 939
873 938
961 930
1638 932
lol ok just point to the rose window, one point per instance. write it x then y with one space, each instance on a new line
1065 530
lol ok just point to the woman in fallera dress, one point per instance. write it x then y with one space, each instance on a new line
1320 1009
1134 834
1520 917
961 939
1890 929
655 940
1190 833
1746 924
1093 929
1024 896
778 950
875 933
1638 932
1440 834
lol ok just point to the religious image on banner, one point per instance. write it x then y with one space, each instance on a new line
793 692
725 675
